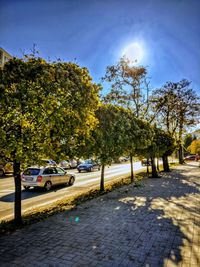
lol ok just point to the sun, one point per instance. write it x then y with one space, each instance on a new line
134 52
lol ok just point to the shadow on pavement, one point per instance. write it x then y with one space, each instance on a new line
6 176
163 224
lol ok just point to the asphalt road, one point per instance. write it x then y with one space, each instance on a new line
36 197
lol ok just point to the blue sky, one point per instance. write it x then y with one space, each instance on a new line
95 33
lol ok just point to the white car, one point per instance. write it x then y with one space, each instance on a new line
64 164
73 163
50 162
46 177
68 164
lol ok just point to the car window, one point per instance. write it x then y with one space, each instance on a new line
47 171
50 171
31 171
60 171
55 170
88 161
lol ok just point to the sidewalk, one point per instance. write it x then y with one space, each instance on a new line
157 224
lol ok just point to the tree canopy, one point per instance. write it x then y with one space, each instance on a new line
129 86
194 148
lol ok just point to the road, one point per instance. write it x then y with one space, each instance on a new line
35 198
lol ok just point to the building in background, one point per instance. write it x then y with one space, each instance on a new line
4 57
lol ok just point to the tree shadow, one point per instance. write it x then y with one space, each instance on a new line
162 221
6 176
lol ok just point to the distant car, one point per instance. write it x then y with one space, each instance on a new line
124 159
68 164
191 158
146 162
46 177
6 168
89 165
65 164
73 163
49 162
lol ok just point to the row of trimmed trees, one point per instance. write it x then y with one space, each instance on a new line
54 110
119 132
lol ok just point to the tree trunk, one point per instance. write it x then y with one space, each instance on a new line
180 154
17 179
153 168
147 166
148 170
132 173
165 164
180 151
102 177
158 165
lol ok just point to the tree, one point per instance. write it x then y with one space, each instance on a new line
23 118
129 89
73 118
128 85
40 111
169 146
152 151
109 138
177 107
194 148
162 145
139 137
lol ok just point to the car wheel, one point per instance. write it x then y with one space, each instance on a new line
71 181
48 186
90 169
1 173
79 170
26 187
99 168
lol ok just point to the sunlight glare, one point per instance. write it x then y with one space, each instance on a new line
134 52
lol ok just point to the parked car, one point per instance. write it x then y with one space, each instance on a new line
49 162
68 164
6 168
124 159
191 158
73 163
146 162
65 164
46 177
89 165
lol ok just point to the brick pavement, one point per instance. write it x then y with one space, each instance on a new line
157 224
